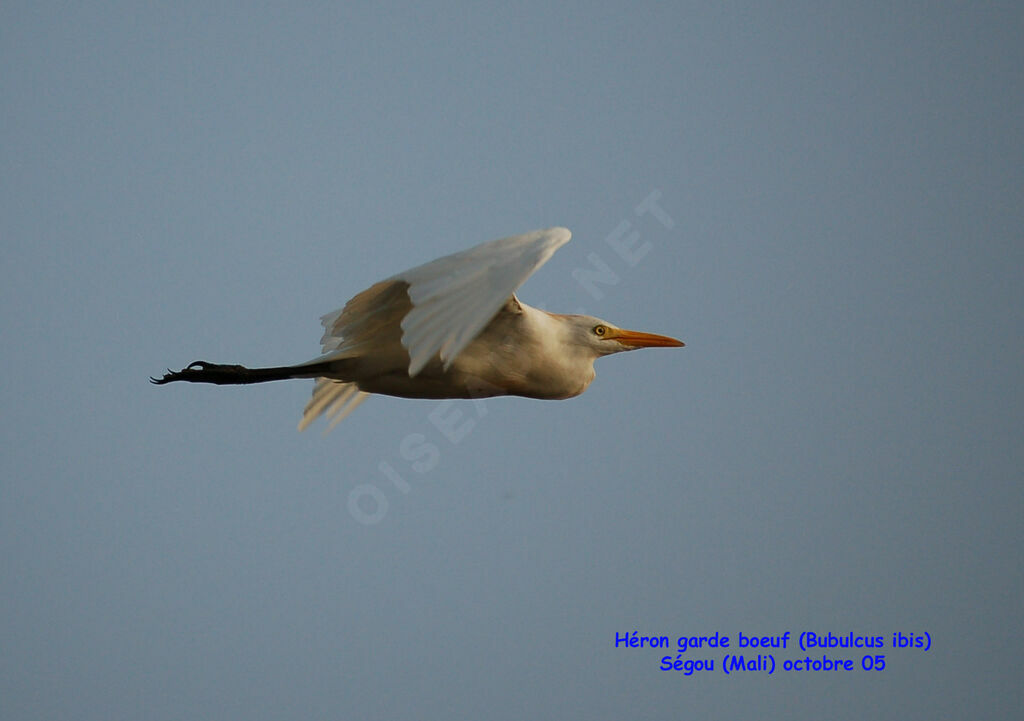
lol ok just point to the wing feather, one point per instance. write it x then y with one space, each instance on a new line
455 297
371 314
333 398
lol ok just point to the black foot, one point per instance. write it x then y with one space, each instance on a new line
202 372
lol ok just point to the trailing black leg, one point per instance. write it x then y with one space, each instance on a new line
203 372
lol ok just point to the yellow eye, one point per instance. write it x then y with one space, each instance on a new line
600 330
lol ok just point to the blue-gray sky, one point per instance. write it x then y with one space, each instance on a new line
837 449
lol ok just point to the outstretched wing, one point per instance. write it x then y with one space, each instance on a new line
441 306
455 297
435 309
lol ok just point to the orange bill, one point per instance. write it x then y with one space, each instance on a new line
643 340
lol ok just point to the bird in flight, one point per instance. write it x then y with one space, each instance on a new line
452 328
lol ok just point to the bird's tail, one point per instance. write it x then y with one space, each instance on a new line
203 372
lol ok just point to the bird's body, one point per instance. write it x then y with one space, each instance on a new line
504 359
452 328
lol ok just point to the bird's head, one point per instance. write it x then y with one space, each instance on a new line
602 338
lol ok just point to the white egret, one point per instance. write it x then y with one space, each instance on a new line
452 328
